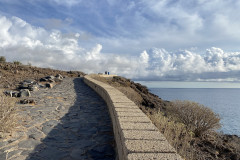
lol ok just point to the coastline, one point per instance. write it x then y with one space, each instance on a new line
212 145
218 99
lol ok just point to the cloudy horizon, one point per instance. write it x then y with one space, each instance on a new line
163 40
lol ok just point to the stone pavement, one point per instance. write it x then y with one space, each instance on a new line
69 122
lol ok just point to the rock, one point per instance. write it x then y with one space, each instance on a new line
15 94
33 87
42 86
59 77
6 86
50 85
47 79
8 93
27 101
29 81
12 93
51 81
43 80
24 85
16 71
28 84
50 77
24 93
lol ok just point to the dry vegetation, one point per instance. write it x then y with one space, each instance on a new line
7 114
195 116
11 74
188 126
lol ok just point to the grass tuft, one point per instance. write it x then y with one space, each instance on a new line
7 114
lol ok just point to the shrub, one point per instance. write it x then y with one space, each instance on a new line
17 63
2 59
195 116
176 133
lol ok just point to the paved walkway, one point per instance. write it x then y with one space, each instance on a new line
69 122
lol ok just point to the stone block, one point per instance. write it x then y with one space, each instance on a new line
134 119
137 126
130 114
153 156
125 105
142 135
146 146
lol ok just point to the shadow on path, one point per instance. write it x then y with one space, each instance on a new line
85 132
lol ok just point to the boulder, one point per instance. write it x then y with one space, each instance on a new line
8 93
24 93
12 93
50 77
47 79
43 80
51 80
33 87
15 94
24 85
28 84
50 85
58 77
29 81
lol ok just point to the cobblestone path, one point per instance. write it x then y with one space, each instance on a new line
69 122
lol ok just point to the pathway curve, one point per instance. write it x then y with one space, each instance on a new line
69 122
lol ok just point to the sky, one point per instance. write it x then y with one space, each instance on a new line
159 40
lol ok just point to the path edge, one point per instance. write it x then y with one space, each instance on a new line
135 135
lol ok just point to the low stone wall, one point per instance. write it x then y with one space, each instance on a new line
135 135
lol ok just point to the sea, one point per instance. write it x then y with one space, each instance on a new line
222 97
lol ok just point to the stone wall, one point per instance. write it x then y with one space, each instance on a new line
135 135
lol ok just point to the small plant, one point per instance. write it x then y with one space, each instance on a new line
2 59
17 63
195 116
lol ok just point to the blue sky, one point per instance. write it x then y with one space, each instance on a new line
194 40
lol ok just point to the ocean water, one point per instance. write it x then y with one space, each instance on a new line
224 101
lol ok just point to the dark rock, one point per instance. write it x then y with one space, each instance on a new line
51 80
8 93
27 101
50 85
24 85
43 80
24 93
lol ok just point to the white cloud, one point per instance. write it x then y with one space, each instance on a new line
23 42
215 64
67 2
